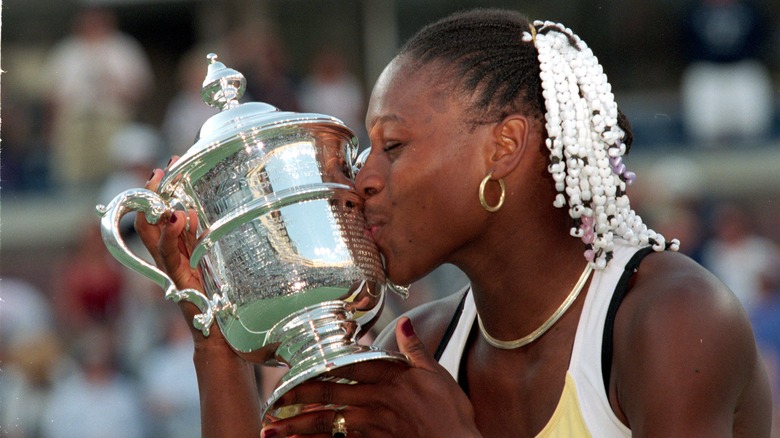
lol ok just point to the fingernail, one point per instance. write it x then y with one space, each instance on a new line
407 329
270 433
173 219
152 175
169 162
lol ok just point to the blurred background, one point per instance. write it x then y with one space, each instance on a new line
97 93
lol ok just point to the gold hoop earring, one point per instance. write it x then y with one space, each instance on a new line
483 201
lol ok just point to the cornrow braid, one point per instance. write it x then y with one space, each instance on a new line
544 70
485 48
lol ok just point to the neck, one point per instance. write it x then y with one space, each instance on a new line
521 270
514 296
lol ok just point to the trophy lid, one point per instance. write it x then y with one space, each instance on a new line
222 89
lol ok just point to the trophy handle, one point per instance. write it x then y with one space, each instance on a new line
154 207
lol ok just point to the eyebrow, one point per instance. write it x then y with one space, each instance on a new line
388 118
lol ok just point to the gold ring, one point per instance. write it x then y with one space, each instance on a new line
339 426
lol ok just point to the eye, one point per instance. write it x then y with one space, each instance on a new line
392 146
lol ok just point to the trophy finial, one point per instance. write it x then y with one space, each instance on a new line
223 86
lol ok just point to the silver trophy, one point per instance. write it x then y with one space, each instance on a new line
288 270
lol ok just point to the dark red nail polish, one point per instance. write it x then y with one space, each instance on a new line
172 219
407 329
270 433
152 175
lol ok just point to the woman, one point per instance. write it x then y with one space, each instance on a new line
493 142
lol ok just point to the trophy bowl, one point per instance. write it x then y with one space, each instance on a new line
289 273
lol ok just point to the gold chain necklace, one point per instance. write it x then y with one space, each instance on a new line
517 343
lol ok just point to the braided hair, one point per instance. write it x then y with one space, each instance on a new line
542 69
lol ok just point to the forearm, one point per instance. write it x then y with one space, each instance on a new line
229 402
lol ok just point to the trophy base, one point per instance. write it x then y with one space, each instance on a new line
298 374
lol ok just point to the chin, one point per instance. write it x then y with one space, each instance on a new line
402 275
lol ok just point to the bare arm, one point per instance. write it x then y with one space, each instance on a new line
685 361
229 402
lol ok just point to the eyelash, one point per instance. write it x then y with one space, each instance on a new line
391 147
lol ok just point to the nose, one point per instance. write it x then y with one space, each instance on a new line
368 179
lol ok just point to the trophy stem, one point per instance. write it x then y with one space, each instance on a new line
314 341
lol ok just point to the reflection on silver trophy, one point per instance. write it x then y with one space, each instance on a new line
288 271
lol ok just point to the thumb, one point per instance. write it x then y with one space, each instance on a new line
410 345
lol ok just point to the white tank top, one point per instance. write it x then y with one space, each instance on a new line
584 409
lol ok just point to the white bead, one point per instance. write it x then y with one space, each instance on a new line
586 195
660 244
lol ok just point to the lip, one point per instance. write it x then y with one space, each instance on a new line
374 225
373 231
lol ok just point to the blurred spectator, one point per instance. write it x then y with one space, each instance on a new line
28 375
256 50
24 162
681 221
134 150
726 89
331 89
187 112
738 255
169 384
87 284
765 319
94 78
29 355
24 311
96 400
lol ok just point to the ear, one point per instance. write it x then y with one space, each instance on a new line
511 138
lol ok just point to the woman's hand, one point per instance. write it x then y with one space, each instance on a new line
170 243
390 399
226 383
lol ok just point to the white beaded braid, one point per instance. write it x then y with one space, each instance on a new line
586 145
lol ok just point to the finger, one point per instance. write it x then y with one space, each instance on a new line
411 345
372 371
169 249
318 423
192 228
149 233
174 158
319 392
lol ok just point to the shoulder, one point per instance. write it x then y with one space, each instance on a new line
670 291
430 321
683 343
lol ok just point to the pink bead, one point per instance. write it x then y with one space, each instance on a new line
590 255
587 221
588 237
